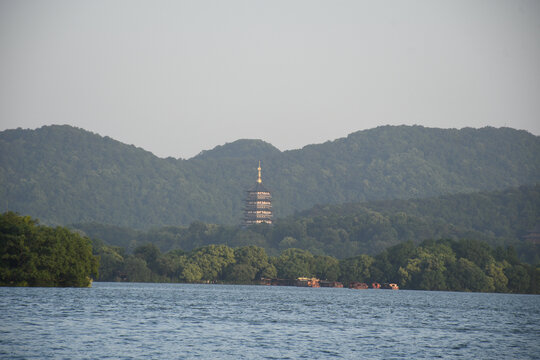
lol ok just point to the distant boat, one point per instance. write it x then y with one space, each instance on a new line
357 285
307 282
390 286
333 284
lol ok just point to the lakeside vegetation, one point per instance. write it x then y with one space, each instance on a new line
452 265
34 255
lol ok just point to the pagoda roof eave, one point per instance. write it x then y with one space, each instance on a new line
259 187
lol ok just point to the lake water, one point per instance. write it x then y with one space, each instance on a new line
180 321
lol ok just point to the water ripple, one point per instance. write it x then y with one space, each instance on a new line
178 321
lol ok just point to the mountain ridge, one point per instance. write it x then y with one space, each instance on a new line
254 147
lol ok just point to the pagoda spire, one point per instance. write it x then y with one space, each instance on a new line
259 180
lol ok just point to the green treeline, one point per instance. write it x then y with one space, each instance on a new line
500 218
34 255
65 175
453 265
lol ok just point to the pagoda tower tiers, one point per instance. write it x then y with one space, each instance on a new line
258 204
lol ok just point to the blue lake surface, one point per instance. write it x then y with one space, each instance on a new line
181 321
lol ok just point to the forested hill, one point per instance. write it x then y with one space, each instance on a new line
63 175
497 217
510 213
500 218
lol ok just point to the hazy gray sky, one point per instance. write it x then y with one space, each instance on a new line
177 77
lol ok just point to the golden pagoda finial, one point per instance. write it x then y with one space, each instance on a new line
259 180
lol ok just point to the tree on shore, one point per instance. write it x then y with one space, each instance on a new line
34 255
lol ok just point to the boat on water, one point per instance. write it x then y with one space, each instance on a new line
308 282
301 282
357 285
332 284
362 286
315 283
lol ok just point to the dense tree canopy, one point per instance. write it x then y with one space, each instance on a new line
456 265
65 175
33 255
362 228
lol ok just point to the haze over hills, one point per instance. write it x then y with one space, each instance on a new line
65 175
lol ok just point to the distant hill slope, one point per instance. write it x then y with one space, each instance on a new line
497 217
501 218
63 175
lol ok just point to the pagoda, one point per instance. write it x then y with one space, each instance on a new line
258 204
